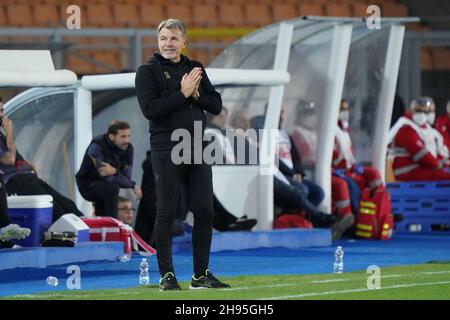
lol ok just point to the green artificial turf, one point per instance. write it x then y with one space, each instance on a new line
424 281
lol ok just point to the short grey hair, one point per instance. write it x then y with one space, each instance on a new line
173 24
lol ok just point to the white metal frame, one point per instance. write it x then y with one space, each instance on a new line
268 145
340 47
386 97
82 136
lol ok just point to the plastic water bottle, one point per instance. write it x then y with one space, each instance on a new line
52 281
124 257
338 260
144 278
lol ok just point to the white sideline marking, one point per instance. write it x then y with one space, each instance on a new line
291 284
382 277
64 295
333 280
313 294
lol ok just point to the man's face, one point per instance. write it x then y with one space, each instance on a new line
125 212
344 106
121 139
221 119
170 43
242 121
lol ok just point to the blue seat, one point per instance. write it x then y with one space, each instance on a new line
425 206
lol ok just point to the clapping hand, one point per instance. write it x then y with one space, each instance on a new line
190 82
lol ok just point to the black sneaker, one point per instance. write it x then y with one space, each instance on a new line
340 226
168 282
207 281
242 224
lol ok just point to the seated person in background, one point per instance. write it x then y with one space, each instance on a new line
291 194
8 231
441 148
443 126
20 176
304 139
245 144
412 144
343 158
107 166
223 220
291 165
304 133
125 211
146 213
215 129
291 198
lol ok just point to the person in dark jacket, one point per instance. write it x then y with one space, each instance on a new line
146 213
107 166
174 92
20 176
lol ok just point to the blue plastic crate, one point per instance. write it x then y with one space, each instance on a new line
429 188
425 206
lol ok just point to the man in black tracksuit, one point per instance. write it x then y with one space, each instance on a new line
173 93
107 166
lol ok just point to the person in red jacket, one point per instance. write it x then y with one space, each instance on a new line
439 147
413 145
304 138
344 162
443 126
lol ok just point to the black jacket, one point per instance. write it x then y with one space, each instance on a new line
297 161
158 88
101 149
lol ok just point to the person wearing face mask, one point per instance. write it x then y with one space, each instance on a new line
443 125
439 146
304 133
344 162
414 146
304 139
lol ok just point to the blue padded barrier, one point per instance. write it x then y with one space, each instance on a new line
243 240
44 257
